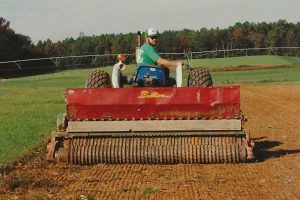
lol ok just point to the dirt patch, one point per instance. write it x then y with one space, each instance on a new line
252 67
273 120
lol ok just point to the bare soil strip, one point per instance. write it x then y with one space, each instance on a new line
252 67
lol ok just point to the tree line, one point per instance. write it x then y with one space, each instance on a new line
15 46
241 35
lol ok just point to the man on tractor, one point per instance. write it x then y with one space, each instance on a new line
148 54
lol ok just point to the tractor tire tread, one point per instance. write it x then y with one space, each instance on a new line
200 77
98 79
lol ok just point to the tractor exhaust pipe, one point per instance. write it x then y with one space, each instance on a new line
139 39
138 47
179 75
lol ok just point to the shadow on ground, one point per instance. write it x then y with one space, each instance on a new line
262 149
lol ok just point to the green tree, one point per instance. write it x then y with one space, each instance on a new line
14 46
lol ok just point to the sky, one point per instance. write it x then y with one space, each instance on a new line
61 19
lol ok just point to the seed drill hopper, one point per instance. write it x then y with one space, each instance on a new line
151 125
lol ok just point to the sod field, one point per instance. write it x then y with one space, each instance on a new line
266 60
29 105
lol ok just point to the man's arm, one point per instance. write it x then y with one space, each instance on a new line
167 63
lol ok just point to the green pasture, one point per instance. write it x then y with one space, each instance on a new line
29 105
246 60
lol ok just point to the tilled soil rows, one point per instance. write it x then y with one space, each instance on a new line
273 114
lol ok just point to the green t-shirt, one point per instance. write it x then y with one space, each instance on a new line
148 55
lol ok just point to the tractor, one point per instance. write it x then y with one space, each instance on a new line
150 118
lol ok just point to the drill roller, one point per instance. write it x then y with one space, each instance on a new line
153 150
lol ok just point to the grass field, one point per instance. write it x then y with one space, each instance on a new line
246 60
29 105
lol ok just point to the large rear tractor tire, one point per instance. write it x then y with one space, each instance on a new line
98 79
200 77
